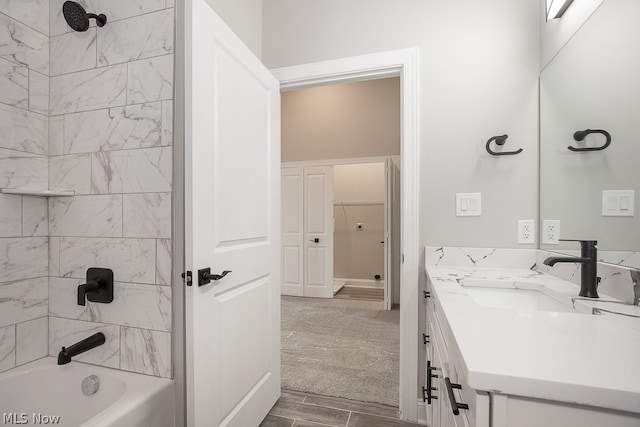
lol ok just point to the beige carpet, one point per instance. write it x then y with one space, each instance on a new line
342 348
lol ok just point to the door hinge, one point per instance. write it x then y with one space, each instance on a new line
188 276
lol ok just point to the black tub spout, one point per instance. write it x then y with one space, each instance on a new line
86 344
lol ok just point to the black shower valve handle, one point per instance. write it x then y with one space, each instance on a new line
98 286
84 289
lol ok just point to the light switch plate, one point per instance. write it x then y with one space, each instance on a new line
618 202
468 204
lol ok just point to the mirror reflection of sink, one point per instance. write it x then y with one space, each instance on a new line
527 297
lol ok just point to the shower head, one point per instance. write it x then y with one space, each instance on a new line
78 18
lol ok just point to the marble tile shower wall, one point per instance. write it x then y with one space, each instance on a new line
110 140
24 105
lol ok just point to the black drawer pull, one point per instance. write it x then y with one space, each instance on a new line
425 338
429 388
455 406
427 294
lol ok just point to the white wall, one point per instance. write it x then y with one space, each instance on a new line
245 19
479 65
342 121
358 254
363 182
556 32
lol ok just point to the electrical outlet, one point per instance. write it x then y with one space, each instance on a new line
551 232
526 231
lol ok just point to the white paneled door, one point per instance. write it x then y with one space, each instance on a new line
292 232
318 231
232 223
307 231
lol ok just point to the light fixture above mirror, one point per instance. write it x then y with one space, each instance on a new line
556 8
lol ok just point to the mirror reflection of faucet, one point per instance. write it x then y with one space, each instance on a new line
635 277
99 286
588 259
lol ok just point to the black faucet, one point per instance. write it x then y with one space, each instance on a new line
589 279
86 344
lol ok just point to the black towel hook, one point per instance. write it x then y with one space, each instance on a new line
500 140
581 134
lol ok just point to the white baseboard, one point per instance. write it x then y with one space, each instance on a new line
365 283
422 413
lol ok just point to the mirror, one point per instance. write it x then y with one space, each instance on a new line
594 83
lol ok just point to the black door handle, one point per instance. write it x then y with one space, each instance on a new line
205 277
316 240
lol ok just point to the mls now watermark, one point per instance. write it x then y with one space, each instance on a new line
34 418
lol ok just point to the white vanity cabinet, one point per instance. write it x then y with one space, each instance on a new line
450 402
489 408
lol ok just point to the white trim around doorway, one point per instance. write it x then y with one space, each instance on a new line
402 63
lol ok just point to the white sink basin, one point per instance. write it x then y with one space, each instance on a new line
526 297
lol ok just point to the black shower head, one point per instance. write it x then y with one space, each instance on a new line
78 18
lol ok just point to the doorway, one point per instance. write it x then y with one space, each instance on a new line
359 233
402 63
341 229
366 212
335 233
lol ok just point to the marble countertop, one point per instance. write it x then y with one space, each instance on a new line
570 357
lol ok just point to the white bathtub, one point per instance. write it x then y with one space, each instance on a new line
40 390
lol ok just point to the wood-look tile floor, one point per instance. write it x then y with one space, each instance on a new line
360 293
295 409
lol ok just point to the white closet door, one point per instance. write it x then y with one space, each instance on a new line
318 231
292 232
